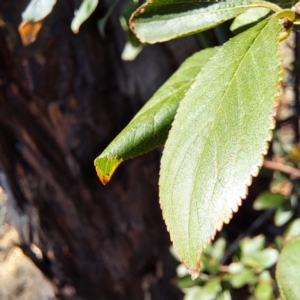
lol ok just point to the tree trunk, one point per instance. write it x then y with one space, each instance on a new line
62 100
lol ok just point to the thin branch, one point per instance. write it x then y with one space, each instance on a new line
263 218
276 166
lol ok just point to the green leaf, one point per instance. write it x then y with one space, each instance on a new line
263 291
268 200
283 213
236 267
241 278
162 20
150 127
265 258
217 139
208 292
248 18
225 295
288 270
37 10
218 249
292 230
86 8
250 246
185 281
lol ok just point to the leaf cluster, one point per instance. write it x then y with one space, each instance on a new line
215 116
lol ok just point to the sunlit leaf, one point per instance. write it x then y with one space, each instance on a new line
29 31
288 270
263 291
283 213
292 230
265 258
268 200
82 14
217 139
248 18
225 295
150 127
162 20
250 246
37 10
209 291
241 278
32 18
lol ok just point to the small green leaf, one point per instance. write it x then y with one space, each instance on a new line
217 139
150 127
37 10
265 258
241 278
86 8
218 249
283 213
288 270
249 18
268 200
162 20
265 276
263 291
236 267
225 295
250 246
208 292
292 230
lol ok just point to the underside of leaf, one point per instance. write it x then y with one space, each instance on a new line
217 139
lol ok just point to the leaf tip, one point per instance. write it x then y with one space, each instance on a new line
105 167
132 20
29 30
194 272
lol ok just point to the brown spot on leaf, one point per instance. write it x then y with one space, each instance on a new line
28 31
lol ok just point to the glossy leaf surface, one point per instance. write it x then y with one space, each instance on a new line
217 139
288 270
150 127
162 20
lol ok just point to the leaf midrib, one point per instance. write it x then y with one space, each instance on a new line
212 125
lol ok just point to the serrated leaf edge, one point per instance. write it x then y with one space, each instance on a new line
195 272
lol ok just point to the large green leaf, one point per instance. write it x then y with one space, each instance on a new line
288 270
150 127
217 139
162 20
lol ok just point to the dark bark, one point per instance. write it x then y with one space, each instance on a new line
62 100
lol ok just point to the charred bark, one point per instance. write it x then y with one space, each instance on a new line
62 100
